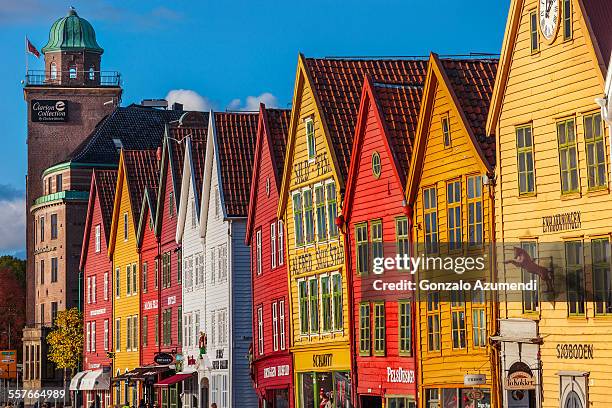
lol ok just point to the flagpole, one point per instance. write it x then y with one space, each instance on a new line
26 57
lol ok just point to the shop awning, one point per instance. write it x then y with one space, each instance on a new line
142 373
176 378
76 380
95 380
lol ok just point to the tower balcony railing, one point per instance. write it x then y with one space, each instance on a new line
73 78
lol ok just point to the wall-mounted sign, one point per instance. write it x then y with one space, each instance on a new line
171 300
575 351
520 380
163 358
324 257
276 371
322 360
48 110
474 379
150 304
474 395
97 312
400 375
561 222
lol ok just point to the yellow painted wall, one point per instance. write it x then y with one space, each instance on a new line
124 254
447 367
559 81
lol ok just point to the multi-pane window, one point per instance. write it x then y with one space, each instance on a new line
281 243
310 139
260 331
167 327
93 336
568 159
531 302
365 336
145 331
41 224
446 130
524 155
117 282
533 32
117 334
574 269
125 226
321 216
474 207
222 262
98 238
258 251
308 216
479 320
135 332
458 333
179 319
128 339
379 328
156 329
275 325
433 321
145 273
298 216
430 210
567 20
106 334
405 327
326 303
453 201
88 337
53 226
42 271
602 279
313 304
94 298
595 151
281 312
303 299
337 300
179 265
361 248
128 279
376 237
332 208
134 280
53 270
273 244
401 236
106 285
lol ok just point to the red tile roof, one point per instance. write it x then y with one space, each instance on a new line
399 106
142 172
599 15
106 182
472 82
338 84
236 135
277 122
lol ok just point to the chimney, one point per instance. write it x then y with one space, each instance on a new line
177 106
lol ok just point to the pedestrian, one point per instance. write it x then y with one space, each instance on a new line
213 405
142 404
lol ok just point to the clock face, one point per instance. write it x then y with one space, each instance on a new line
549 18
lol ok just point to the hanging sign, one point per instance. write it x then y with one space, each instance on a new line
163 358
474 379
520 380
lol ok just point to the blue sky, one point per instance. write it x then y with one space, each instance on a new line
230 54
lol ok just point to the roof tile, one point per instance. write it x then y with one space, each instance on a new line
599 14
142 172
106 182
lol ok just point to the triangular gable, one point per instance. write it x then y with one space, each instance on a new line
436 76
207 179
149 202
188 182
117 204
167 168
512 27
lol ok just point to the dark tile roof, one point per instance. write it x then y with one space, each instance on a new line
236 135
277 122
599 14
399 106
106 182
137 128
142 171
472 82
338 84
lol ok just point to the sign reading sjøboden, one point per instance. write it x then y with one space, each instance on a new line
49 110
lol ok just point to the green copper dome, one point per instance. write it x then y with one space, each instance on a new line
72 33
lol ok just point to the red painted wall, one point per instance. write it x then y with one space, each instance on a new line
96 265
149 295
377 199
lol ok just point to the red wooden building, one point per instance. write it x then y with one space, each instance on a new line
377 224
272 364
97 301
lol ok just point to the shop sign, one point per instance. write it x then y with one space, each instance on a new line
561 222
400 375
150 304
171 300
276 371
322 360
220 364
474 395
48 110
97 312
324 257
520 380
474 379
575 351
163 358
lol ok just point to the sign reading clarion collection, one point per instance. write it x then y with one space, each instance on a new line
561 222
48 110
575 351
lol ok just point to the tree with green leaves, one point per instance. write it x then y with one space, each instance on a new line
66 341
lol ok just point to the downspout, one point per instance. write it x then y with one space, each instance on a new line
229 263
409 211
342 223
494 351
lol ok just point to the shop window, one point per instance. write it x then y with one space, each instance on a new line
337 300
298 217
595 152
310 138
530 298
430 209
433 321
313 305
525 164
332 208
567 20
474 205
321 213
479 319
405 327
602 278
446 132
568 159
533 32
453 201
432 398
400 402
379 329
574 270
376 237
362 248
458 319
326 303
365 336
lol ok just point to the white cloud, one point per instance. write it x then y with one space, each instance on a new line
12 224
191 100
252 102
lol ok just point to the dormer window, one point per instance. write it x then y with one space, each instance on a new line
118 144
73 72
53 71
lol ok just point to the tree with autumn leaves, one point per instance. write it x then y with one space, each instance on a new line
66 341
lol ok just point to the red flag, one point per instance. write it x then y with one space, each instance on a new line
31 48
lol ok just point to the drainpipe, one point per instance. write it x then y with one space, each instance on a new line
342 223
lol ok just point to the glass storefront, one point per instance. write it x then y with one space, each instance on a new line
400 402
277 398
330 389
458 398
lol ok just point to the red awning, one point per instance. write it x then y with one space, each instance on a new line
176 378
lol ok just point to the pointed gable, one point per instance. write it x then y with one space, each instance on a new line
141 172
598 14
235 144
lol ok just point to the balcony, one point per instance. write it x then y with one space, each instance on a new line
73 78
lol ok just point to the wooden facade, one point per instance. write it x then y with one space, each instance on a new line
452 211
552 196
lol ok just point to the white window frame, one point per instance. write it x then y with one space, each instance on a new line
281 312
258 257
105 334
93 336
105 285
89 290
275 325
94 297
273 244
117 333
308 120
98 238
88 338
260 334
117 283
281 243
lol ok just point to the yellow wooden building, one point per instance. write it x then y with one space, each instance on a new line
452 211
553 203
137 170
